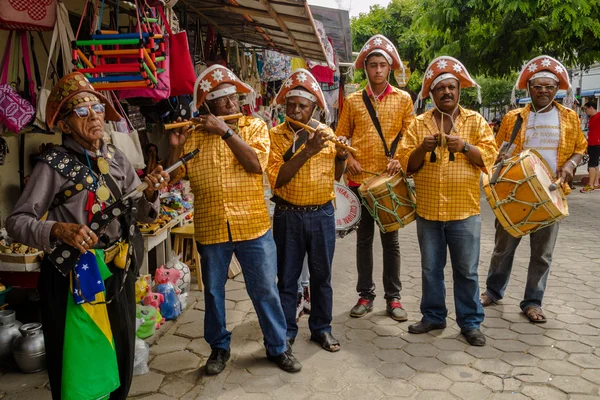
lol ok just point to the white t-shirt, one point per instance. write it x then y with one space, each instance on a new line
544 137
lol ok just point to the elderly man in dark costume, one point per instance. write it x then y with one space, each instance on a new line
88 311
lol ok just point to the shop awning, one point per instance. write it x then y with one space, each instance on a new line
286 26
337 26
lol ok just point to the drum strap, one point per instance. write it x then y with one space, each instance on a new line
302 138
513 136
392 150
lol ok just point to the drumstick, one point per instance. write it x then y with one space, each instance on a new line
554 185
313 130
369 172
188 123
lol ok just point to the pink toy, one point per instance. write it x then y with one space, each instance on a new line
153 299
167 275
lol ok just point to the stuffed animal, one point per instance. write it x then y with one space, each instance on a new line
141 289
171 307
166 275
153 299
152 320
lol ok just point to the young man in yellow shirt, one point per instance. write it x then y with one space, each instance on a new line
302 168
448 196
374 119
230 214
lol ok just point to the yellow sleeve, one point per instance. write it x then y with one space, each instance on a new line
275 159
408 114
505 130
487 145
259 140
581 143
345 125
409 142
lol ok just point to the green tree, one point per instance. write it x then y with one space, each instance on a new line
495 37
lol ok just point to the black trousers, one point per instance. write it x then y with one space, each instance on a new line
54 289
364 258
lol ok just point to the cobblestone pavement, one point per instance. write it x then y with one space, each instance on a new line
379 358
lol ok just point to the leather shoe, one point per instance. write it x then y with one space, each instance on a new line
217 360
362 307
424 327
474 337
286 361
395 310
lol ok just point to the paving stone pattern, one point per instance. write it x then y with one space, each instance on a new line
379 358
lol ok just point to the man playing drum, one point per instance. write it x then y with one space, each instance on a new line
230 214
554 132
447 185
302 168
375 118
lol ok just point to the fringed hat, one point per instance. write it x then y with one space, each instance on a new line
304 79
442 68
66 89
379 44
544 67
212 77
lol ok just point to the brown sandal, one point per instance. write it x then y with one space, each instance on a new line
486 300
535 314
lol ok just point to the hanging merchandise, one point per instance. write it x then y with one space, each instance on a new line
326 43
276 66
27 15
15 111
181 66
3 151
137 65
127 142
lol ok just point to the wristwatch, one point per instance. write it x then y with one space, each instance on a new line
228 134
466 148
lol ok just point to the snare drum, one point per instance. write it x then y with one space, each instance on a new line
521 199
390 200
347 210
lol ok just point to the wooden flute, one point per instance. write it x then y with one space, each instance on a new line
192 122
313 130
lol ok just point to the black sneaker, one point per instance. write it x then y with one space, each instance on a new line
286 361
217 360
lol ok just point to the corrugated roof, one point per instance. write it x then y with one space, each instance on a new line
286 26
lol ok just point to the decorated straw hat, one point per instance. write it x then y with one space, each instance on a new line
544 67
442 68
303 79
379 44
212 77
66 89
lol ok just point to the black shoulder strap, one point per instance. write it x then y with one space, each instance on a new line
302 138
388 152
69 167
516 130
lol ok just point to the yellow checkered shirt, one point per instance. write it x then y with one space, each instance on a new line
395 115
313 183
572 141
449 190
223 191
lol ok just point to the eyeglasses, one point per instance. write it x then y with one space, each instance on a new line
221 101
549 88
83 112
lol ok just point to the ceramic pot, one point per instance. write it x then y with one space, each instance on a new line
28 350
9 331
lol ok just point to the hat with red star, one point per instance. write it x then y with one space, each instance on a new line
379 44
301 78
545 67
212 77
442 68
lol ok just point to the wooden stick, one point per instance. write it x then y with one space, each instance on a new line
313 130
188 123
552 187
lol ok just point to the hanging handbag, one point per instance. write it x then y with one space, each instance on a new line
44 93
181 67
15 111
28 15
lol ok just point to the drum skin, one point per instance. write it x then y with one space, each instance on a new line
521 200
390 199
347 210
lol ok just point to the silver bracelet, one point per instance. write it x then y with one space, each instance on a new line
575 165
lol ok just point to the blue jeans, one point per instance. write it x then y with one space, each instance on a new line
542 246
297 233
258 260
462 238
